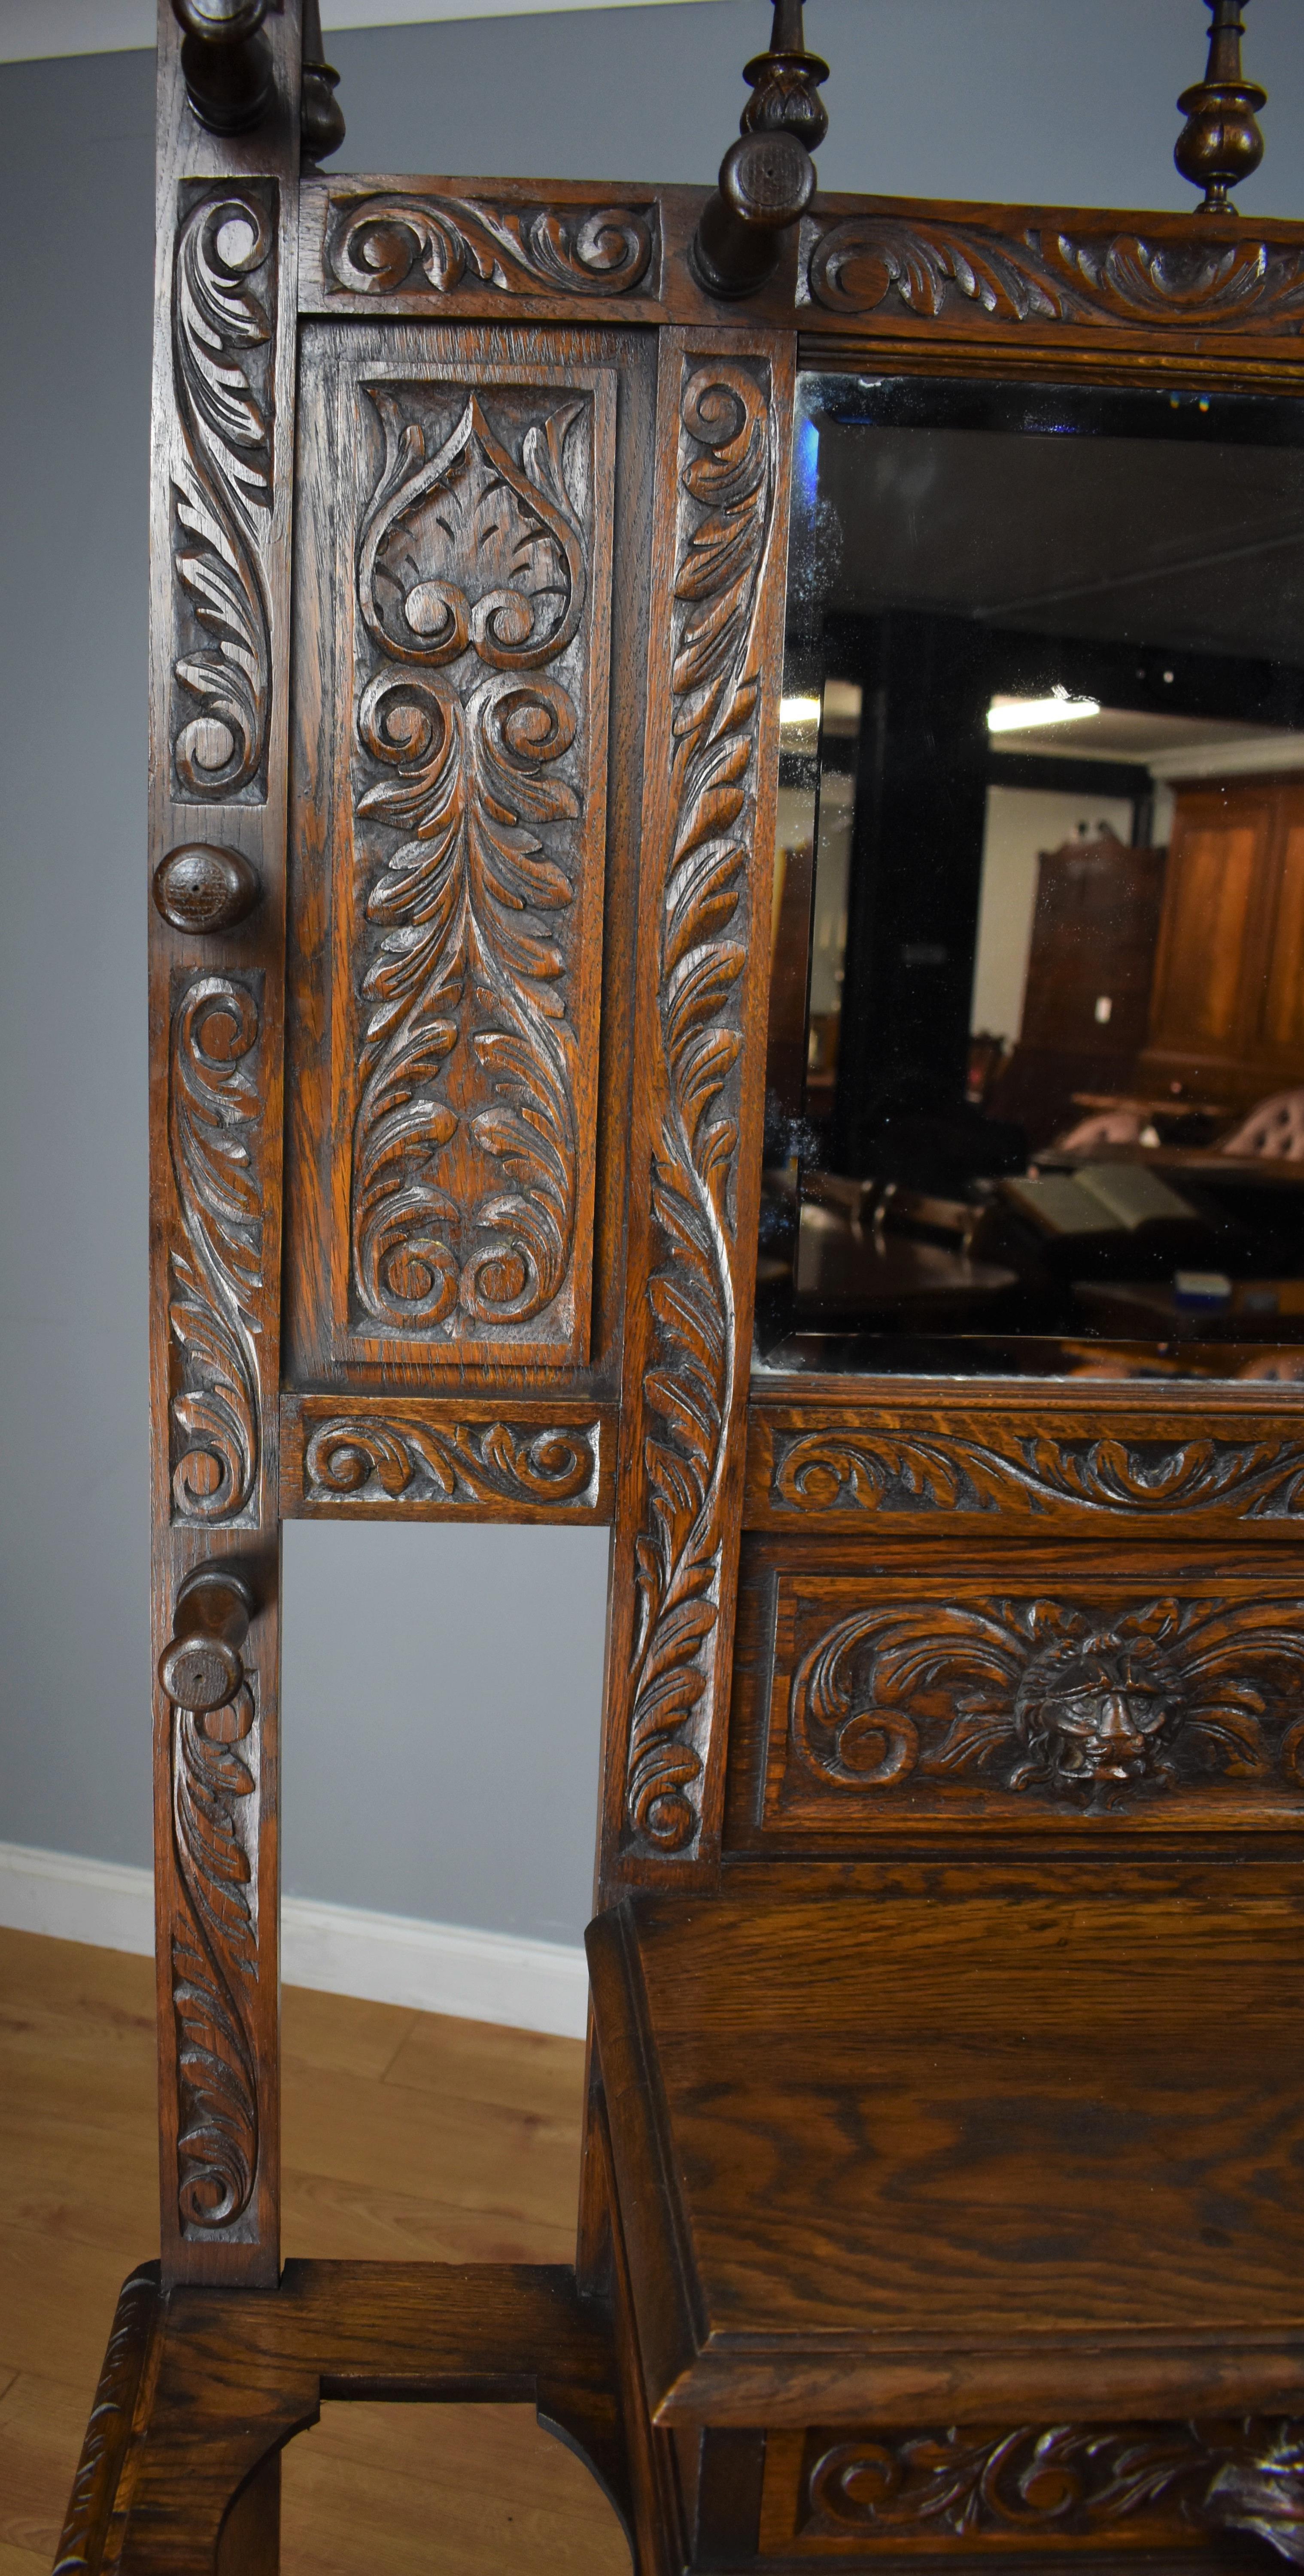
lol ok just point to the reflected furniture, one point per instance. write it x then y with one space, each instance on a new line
943 2128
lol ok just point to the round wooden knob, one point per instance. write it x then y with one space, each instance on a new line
203 888
201 1666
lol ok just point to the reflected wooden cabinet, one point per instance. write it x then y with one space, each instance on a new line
1228 1006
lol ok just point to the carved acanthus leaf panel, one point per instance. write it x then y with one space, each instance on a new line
1149 1708
936 1470
724 529
388 243
406 1459
886 264
215 1281
978 2486
482 575
223 327
215 1960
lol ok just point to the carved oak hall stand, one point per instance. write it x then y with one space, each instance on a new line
944 2132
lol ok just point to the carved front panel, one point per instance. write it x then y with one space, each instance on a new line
469 860
962 2490
1088 1696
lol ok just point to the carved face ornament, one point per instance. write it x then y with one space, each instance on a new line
1094 1711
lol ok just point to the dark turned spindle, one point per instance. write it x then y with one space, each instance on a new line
321 118
201 1667
1220 142
226 63
767 178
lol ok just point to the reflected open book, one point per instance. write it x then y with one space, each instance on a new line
1106 1198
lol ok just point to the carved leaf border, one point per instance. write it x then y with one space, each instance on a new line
91 2500
215 1960
969 1688
391 244
465 904
868 262
215 1276
353 1458
968 2483
820 1472
222 489
725 521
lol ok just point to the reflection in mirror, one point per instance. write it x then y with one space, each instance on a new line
1036 1062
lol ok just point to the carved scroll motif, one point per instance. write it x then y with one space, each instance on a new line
393 244
818 1472
883 263
1161 2483
1043 1695
215 1959
725 518
215 1274
91 2502
360 1459
223 321
473 574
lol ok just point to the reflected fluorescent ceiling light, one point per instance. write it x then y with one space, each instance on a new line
1019 715
800 711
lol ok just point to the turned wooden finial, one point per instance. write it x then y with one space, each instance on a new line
321 118
1220 142
226 62
767 178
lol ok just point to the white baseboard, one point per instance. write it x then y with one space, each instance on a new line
338 1949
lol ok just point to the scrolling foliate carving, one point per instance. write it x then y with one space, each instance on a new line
827 1471
880 263
391 244
215 1273
1044 1695
223 322
1156 2483
473 574
360 1458
725 518
215 1959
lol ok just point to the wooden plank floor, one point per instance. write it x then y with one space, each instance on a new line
405 2134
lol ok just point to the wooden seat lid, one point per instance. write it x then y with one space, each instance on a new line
1021 2149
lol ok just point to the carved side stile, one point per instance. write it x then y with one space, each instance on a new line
694 1134
223 459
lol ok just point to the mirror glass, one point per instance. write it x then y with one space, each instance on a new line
1036 1058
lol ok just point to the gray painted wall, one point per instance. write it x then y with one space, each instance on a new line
476 1800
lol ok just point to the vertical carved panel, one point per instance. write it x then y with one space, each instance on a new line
468 1083
215 1960
216 1278
706 863
223 328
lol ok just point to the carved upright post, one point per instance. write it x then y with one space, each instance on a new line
702 981
767 178
1220 143
219 654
